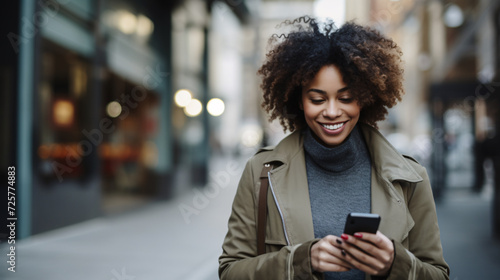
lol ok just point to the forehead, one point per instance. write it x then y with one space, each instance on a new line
328 79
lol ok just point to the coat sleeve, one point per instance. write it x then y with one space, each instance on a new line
239 258
424 257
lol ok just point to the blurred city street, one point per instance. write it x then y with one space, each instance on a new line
126 125
158 241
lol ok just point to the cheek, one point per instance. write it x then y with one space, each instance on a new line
310 112
354 111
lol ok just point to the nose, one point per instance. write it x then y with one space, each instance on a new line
332 110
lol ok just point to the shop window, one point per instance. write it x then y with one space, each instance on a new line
128 153
62 114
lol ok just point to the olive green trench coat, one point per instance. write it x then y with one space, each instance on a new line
400 194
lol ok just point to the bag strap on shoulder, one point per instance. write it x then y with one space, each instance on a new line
262 209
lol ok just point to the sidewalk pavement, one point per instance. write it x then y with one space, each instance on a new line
465 222
159 242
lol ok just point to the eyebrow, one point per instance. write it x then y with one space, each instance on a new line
324 92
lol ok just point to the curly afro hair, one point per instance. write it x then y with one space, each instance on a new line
369 63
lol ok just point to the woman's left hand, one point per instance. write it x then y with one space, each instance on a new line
368 252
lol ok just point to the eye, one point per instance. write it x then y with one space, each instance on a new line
346 99
316 101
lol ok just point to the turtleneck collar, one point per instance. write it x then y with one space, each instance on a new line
339 158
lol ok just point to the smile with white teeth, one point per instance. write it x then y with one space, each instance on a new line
333 126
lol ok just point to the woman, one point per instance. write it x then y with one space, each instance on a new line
330 87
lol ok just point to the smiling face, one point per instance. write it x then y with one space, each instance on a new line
330 110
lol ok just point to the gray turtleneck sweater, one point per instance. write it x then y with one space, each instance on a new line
339 182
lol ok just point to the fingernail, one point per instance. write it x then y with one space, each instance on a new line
339 241
358 235
343 253
344 236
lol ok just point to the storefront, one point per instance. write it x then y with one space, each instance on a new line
90 91
93 111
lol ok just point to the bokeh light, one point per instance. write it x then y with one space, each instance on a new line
215 107
127 22
144 26
251 136
194 108
64 112
453 16
114 109
182 97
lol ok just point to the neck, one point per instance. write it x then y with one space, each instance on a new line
339 158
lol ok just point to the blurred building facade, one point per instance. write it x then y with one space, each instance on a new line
449 117
89 117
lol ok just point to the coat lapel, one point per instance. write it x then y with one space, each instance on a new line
389 168
396 220
292 194
291 191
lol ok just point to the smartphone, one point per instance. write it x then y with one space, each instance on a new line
361 222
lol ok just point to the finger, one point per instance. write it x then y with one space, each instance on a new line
326 256
378 239
340 255
367 255
370 244
333 240
330 244
328 262
360 254
360 265
377 245
334 249
336 260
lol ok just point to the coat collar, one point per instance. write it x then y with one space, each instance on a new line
388 162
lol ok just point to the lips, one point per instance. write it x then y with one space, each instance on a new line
333 126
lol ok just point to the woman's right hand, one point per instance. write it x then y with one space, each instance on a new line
327 256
